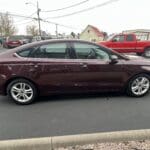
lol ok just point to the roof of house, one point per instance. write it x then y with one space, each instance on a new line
96 30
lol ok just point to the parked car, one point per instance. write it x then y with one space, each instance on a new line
12 41
36 38
68 66
126 43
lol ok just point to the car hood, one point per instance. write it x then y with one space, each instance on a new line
138 60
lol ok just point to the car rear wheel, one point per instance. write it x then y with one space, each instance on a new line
139 85
147 53
22 91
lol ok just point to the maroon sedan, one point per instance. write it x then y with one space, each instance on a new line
68 66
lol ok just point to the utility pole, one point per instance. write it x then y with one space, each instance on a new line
38 16
56 30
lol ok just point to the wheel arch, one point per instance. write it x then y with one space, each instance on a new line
146 47
127 82
16 78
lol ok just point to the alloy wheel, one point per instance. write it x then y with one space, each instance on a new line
21 92
140 86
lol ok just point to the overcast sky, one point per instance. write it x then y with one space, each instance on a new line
112 18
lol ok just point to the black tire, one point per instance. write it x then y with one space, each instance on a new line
139 54
131 82
147 53
27 84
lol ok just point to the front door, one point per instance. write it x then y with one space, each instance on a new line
97 73
118 43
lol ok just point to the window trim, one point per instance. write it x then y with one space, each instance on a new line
93 44
39 45
119 41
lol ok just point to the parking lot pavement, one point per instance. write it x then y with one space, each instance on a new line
2 49
73 114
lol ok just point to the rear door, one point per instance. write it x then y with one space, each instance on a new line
60 71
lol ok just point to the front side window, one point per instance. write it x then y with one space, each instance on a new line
118 38
89 51
53 50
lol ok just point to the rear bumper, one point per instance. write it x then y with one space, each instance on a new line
13 45
2 85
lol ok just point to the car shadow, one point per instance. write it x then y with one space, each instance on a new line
79 96
109 96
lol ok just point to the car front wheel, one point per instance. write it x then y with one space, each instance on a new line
139 85
22 91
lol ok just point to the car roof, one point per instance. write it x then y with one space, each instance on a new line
51 41
61 40
46 42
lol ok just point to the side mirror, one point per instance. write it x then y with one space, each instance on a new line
114 59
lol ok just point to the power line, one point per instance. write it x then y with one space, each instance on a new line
17 15
43 20
26 18
58 24
67 7
23 23
83 10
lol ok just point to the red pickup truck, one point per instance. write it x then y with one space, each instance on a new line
127 43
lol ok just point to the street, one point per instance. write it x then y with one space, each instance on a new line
73 114
2 49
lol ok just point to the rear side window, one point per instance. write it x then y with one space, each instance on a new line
129 38
24 53
53 50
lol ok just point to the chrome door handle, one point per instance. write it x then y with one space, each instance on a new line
36 66
83 65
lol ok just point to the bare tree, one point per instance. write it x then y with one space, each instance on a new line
32 30
73 35
7 27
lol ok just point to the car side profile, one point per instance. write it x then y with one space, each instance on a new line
69 66
128 43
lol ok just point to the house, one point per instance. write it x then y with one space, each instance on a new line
142 34
91 33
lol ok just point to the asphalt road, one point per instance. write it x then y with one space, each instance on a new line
73 114
2 49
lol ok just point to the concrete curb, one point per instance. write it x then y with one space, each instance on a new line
51 143
27 144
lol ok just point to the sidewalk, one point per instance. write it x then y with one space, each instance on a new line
132 145
119 140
